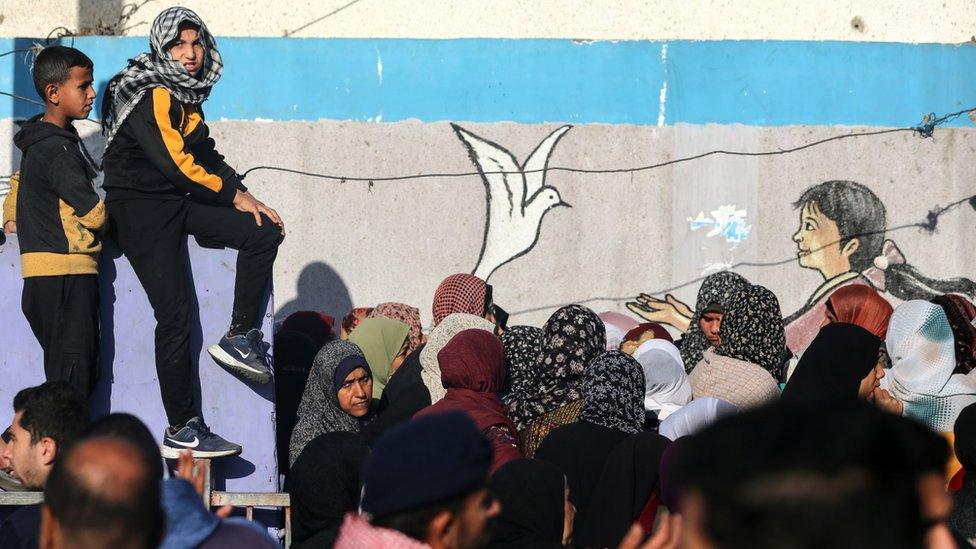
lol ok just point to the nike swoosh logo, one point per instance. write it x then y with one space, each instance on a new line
243 355
194 444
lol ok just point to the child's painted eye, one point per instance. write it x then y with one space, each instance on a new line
808 226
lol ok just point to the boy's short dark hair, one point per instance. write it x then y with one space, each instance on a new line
54 409
53 66
857 212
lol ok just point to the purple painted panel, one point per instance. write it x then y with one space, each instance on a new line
237 410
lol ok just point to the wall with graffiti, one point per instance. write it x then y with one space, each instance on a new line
423 158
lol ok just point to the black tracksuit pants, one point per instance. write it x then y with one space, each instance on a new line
63 314
151 233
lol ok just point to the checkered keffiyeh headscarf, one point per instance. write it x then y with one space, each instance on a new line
460 293
157 69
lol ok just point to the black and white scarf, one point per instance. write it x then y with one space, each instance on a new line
752 330
613 393
573 336
157 69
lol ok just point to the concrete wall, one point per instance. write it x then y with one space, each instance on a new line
939 21
380 108
639 84
240 411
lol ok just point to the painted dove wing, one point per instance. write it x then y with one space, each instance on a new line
498 168
536 163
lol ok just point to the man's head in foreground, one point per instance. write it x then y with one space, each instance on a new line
47 419
427 479
101 494
843 475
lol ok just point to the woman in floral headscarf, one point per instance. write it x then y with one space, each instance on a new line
714 296
613 409
746 367
573 336
522 345
752 330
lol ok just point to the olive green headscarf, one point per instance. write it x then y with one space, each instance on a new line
380 340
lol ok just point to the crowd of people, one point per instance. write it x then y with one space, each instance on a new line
592 431
721 436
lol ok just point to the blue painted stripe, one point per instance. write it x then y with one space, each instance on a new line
532 81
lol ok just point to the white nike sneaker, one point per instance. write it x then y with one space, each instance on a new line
244 355
196 437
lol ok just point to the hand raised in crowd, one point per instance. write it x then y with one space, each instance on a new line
888 403
670 310
186 469
666 537
10 227
245 202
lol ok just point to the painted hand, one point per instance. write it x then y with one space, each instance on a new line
668 311
888 403
245 202
666 537
10 227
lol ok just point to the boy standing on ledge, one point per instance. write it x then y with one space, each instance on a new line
164 179
57 213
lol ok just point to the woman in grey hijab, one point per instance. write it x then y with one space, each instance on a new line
321 410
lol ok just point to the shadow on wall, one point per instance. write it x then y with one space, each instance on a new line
101 398
320 288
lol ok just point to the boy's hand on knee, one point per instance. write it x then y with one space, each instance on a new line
245 202
10 227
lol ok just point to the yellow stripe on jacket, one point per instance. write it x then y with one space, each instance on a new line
173 139
10 202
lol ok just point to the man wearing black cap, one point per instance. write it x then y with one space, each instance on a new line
425 486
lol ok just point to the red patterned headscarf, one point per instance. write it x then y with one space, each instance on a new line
354 317
860 304
405 314
460 293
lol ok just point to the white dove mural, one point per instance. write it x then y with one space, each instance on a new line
516 197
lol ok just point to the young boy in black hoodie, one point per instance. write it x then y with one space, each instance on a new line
58 215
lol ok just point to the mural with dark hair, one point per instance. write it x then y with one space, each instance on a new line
843 235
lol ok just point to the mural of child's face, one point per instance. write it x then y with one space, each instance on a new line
818 243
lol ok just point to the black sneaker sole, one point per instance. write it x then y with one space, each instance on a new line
170 452
231 364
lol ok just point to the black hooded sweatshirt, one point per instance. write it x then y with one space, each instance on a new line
58 212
